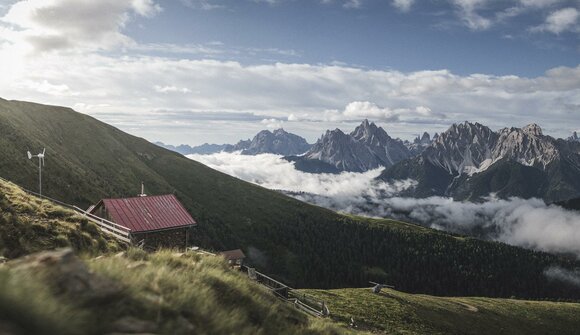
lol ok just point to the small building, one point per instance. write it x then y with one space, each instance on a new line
234 257
155 221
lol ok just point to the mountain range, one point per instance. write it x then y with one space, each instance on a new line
295 242
468 161
471 161
367 147
278 142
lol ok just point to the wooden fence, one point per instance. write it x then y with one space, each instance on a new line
302 301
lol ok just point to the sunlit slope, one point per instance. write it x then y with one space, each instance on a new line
394 312
29 224
301 244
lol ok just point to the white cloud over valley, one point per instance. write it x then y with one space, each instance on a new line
527 223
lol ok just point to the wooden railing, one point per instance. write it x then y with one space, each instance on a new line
302 301
109 227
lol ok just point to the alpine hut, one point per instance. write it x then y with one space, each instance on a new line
153 221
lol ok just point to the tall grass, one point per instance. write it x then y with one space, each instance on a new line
29 224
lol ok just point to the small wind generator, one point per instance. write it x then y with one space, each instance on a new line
40 157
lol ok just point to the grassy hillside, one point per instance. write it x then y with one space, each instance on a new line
28 224
394 312
301 244
161 293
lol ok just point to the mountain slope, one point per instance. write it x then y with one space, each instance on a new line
471 161
394 312
301 244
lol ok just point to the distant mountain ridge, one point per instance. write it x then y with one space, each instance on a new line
367 147
279 142
470 161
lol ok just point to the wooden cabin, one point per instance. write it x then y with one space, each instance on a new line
154 221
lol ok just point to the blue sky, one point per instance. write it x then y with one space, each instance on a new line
194 71
429 36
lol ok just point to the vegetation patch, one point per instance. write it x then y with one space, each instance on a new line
395 312
29 224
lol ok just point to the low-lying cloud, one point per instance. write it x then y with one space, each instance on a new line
563 275
528 223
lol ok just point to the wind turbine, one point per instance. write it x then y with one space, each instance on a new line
40 165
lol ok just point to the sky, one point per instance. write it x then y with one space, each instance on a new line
195 71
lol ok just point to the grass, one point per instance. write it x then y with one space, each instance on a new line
394 312
178 293
29 224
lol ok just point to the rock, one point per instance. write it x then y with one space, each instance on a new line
132 325
69 276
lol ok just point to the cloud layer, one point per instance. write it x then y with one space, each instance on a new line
46 25
78 53
527 223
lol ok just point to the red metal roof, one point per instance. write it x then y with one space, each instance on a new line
142 214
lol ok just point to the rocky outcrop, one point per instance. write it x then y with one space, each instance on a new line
470 160
367 147
69 276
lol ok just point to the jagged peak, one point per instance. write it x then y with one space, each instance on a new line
464 126
280 131
264 132
533 129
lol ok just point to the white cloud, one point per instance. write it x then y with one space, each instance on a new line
171 89
560 21
46 25
46 87
352 4
271 171
403 5
368 110
467 12
527 223
272 123
310 92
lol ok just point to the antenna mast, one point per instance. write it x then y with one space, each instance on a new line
142 190
40 157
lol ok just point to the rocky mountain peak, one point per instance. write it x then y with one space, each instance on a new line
366 130
533 129
280 132
367 147
279 142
